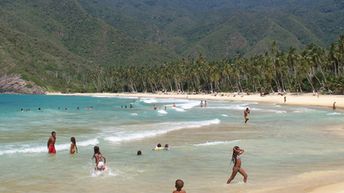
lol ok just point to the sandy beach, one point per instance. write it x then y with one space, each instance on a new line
307 99
321 181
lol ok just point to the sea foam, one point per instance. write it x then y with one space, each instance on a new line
40 149
163 112
181 104
160 129
211 143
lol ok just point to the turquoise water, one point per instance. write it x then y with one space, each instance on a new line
280 141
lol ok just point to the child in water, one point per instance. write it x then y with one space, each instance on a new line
179 186
100 159
73 148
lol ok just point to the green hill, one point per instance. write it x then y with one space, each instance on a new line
63 45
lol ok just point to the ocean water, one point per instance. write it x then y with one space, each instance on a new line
280 142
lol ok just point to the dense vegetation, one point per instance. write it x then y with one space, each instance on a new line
64 45
313 69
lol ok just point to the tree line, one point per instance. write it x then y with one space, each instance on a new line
312 69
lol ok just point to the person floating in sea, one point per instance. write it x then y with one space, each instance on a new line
246 114
155 107
237 152
139 153
131 106
51 143
73 148
179 186
174 105
100 159
166 148
158 147
334 105
77 108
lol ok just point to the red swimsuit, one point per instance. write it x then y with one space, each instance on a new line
52 149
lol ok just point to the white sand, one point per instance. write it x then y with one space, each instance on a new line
334 188
309 182
292 99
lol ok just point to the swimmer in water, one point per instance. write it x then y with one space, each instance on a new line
100 159
166 147
179 186
158 147
51 143
237 152
139 153
73 148
246 114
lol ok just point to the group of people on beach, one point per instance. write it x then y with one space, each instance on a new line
155 107
203 104
100 160
159 147
52 140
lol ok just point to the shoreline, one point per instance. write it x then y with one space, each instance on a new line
306 99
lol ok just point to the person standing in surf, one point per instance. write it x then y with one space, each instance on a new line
73 148
51 143
237 152
246 114
100 159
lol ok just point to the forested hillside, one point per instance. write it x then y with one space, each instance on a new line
312 69
64 45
